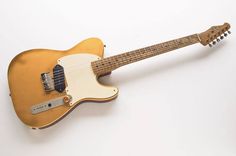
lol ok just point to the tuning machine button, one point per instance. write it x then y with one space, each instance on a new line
225 34
221 37
214 42
210 45
229 32
218 40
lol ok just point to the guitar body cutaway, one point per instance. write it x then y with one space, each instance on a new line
27 90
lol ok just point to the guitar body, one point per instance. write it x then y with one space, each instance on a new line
40 108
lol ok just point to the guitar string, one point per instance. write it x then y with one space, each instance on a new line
114 64
158 49
61 74
119 60
122 61
153 48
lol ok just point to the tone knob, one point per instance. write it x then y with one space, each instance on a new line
67 99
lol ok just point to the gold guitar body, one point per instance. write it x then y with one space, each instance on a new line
28 93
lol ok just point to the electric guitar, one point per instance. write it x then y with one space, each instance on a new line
45 85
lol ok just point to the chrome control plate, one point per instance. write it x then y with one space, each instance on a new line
44 106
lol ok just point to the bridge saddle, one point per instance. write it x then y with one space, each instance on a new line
47 81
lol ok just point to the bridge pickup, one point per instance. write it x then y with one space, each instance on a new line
59 78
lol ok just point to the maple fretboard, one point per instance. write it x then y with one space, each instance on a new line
109 64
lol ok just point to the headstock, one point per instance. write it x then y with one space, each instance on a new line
214 34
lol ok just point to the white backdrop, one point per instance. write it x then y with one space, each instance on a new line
178 104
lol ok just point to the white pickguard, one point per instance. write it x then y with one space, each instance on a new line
81 81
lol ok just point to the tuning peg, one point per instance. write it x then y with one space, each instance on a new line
218 40
229 32
214 42
221 37
225 34
210 45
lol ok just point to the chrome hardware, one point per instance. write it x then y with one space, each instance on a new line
47 105
220 38
47 81
54 81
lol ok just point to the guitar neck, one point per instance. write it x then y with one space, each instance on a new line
109 64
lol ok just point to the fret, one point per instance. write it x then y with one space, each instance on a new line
165 45
179 42
153 48
143 51
162 46
148 49
174 45
190 39
170 46
109 64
